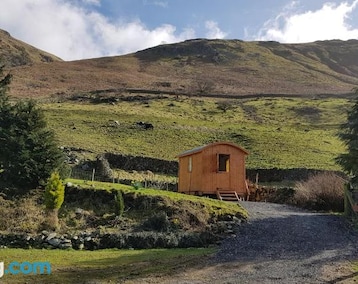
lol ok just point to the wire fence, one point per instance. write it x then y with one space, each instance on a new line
144 181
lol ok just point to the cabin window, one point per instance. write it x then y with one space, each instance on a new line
223 163
190 164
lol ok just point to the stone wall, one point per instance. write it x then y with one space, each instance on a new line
137 163
96 240
279 175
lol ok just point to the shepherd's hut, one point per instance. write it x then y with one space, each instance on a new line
214 169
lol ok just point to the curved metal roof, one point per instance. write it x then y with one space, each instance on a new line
201 148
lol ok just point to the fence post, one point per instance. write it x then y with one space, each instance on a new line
349 202
93 173
347 207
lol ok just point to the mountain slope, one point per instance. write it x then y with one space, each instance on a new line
17 53
278 132
261 67
193 67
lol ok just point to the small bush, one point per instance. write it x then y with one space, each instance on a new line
54 192
282 195
188 240
21 216
158 222
136 185
323 191
225 105
53 199
119 203
142 240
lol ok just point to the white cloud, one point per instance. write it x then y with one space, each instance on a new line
71 32
128 37
92 2
213 30
163 4
329 22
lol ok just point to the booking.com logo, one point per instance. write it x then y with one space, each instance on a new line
25 268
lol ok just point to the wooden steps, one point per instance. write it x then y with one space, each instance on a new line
228 196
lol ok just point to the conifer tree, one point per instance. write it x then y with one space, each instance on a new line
54 197
28 151
5 114
54 192
349 135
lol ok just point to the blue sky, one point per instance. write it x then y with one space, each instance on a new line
78 29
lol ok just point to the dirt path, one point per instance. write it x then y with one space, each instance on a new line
280 244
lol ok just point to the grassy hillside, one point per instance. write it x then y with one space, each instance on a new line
17 53
186 81
226 67
279 132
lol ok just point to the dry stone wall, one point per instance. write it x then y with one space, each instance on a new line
279 175
138 163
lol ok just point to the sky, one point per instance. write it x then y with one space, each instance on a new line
80 29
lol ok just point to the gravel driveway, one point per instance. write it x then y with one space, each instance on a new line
283 244
280 244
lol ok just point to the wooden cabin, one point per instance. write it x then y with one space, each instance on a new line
214 169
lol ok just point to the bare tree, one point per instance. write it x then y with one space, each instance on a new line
201 86
225 105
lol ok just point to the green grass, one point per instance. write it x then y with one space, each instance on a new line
214 206
278 132
354 275
141 176
103 265
100 185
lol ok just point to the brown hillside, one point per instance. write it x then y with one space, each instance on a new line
203 67
17 53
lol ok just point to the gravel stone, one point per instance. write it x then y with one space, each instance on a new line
284 244
278 244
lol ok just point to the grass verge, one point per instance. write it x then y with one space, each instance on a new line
213 206
104 266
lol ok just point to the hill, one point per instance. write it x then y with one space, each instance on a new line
278 132
219 68
183 90
15 53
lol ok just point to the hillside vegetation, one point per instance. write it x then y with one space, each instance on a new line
283 102
223 68
278 132
17 53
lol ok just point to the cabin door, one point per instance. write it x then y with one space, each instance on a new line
222 175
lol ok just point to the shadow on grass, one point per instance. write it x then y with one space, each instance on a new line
129 265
